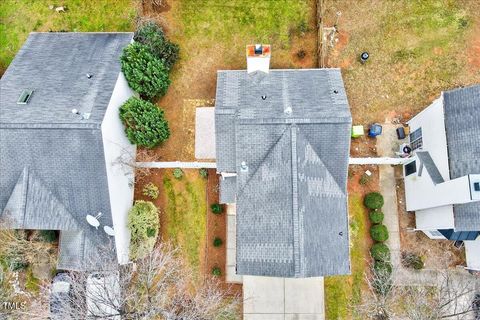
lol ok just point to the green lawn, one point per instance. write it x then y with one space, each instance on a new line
341 292
417 49
185 210
20 17
227 26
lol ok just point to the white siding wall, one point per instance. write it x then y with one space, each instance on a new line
120 178
435 218
420 191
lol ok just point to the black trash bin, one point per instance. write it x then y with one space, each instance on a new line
401 133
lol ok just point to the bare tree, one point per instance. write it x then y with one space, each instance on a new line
159 286
440 294
127 162
14 244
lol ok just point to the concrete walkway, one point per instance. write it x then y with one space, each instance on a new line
272 298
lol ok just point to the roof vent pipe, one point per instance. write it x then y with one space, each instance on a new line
243 167
288 111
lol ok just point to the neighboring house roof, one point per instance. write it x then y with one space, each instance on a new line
56 65
462 123
52 164
291 128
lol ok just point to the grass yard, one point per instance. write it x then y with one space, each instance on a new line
341 292
183 213
417 49
19 18
212 35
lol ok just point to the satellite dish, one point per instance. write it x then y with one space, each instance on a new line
109 230
93 221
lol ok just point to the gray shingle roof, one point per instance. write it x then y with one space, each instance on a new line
55 65
228 189
291 201
462 123
52 163
427 161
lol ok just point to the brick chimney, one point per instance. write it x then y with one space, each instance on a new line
258 57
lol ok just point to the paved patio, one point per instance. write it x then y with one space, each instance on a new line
205 133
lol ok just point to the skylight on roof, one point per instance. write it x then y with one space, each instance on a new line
25 96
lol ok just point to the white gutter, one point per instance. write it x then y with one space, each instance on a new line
380 160
213 165
177 164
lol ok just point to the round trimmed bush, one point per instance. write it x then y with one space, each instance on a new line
144 122
178 173
380 252
376 216
383 275
152 35
143 223
382 268
373 200
216 271
216 208
379 232
203 173
217 242
412 260
48 235
145 73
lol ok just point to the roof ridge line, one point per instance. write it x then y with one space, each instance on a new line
296 217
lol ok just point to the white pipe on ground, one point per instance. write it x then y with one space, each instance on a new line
213 165
177 164
378 161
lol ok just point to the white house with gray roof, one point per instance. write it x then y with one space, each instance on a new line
58 165
442 179
282 145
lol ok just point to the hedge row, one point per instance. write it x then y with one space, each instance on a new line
146 64
379 251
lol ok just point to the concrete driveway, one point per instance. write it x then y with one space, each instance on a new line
267 298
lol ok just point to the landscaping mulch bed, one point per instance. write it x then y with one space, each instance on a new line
217 227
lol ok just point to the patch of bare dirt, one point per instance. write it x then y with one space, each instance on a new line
217 227
437 254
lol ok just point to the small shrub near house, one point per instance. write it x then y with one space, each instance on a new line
151 35
216 208
364 179
380 252
143 223
203 173
217 242
412 260
151 190
48 235
216 271
382 271
145 73
373 200
376 216
379 232
144 122
382 267
14 262
178 173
